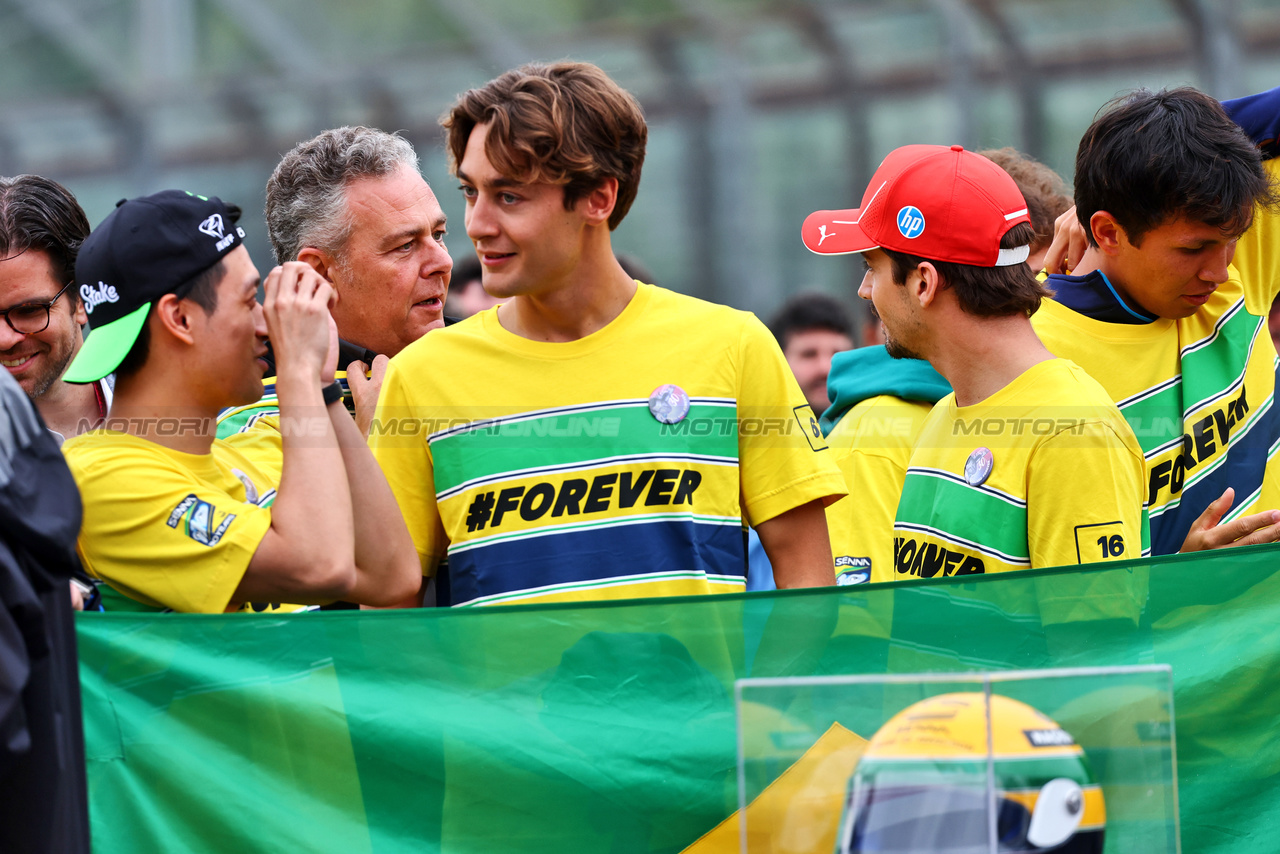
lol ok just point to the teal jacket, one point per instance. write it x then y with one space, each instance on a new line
869 371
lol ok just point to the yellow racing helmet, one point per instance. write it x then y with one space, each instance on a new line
921 785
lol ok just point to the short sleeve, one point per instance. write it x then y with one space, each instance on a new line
1085 497
1085 505
785 461
400 445
159 535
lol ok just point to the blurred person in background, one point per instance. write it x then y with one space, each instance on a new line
878 407
810 329
467 295
351 204
41 229
42 759
1273 323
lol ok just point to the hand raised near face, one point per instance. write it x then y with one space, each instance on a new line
1069 244
296 304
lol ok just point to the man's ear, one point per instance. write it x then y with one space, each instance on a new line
926 284
597 205
78 314
1108 233
177 317
317 259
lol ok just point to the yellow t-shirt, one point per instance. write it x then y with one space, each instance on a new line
545 472
872 445
1064 481
168 530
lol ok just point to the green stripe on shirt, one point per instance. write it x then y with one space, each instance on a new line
965 512
564 438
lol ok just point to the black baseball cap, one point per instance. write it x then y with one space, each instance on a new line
147 247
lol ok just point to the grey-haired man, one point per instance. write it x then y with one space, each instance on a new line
351 204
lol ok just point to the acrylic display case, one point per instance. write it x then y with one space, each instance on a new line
1079 760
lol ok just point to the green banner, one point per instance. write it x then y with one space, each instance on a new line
610 727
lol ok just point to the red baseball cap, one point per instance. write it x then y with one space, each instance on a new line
940 203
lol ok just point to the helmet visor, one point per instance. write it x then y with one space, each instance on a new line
941 819
905 819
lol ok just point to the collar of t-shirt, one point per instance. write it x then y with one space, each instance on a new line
1094 296
103 391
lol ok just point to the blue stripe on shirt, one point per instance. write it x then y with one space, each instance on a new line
678 545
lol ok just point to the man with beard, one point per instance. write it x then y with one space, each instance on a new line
41 229
1027 463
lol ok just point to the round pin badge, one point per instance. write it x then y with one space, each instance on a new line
250 491
978 467
669 404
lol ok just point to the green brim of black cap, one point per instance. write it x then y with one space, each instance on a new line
105 347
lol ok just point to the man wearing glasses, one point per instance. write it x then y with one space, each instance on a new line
41 229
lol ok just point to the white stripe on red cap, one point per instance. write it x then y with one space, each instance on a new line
863 211
1009 257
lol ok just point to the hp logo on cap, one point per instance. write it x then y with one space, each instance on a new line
910 222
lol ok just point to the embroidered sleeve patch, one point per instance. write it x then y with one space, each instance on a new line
852 570
809 426
195 519
1101 541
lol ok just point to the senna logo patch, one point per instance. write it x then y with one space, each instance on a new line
852 570
1048 737
195 518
